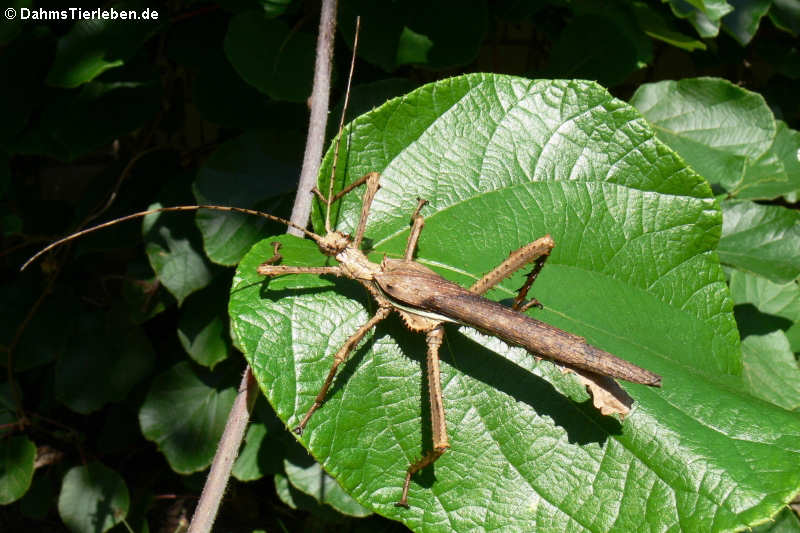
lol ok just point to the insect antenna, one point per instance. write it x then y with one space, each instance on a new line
140 214
330 199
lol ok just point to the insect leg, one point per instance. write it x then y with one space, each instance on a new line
338 359
373 184
269 268
372 180
266 269
417 221
538 251
360 181
440 440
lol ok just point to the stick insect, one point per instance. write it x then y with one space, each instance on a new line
426 302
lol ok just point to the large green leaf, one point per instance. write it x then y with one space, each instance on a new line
255 170
502 161
716 126
619 45
272 57
93 499
184 414
107 350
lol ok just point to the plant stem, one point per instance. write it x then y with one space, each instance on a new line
318 120
232 437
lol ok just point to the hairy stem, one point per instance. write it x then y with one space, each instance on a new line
232 437
318 121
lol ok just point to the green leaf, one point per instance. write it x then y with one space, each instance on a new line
246 467
716 126
770 369
704 16
298 500
257 170
411 32
614 55
502 161
222 97
218 92
777 172
779 299
786 522
762 239
785 14
308 476
264 447
793 334
107 350
367 96
742 23
714 9
203 325
93 499
184 414
270 56
17 454
656 27
174 251
93 46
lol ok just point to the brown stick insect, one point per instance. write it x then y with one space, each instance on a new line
426 302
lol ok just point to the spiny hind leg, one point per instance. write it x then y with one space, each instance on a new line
537 251
441 442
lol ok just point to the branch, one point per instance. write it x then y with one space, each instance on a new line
232 437
318 121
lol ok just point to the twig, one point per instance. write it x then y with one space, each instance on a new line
318 121
227 450
232 437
